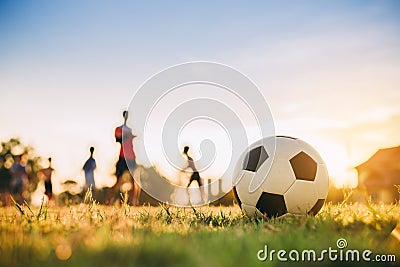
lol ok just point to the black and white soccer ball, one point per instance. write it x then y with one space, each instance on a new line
292 180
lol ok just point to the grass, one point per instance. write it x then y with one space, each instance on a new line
93 235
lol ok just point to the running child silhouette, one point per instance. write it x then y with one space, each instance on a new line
190 164
46 176
126 161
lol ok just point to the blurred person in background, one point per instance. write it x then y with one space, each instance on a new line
88 168
45 175
126 163
5 182
19 179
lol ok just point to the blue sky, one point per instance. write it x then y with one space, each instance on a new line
329 69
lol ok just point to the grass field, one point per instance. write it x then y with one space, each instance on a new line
93 235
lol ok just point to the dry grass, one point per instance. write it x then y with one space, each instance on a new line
93 235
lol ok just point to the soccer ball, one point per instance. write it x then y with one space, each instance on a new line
292 180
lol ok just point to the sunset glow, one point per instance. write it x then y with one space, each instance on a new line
330 74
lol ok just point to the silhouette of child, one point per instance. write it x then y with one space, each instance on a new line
48 186
195 175
126 161
88 168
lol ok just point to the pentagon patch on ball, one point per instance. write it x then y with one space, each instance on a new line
255 158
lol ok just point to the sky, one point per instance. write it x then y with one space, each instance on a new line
329 70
